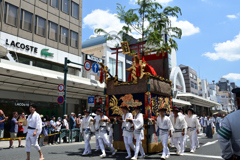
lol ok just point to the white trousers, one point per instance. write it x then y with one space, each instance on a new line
97 143
138 146
30 140
193 139
87 138
111 139
105 140
180 147
87 146
164 140
185 140
128 141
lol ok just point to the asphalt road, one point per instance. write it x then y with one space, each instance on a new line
209 149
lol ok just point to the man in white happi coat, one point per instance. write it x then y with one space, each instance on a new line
181 113
33 130
138 132
127 128
85 129
229 137
204 123
179 125
164 129
103 137
193 129
96 125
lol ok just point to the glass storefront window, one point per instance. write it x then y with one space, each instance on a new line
112 67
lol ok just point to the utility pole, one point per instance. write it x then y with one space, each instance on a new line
65 82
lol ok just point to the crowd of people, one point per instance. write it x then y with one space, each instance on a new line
49 126
176 127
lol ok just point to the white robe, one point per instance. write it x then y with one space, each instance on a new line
33 121
138 124
86 124
97 125
179 125
164 125
127 126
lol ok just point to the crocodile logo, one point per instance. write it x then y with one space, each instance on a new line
44 52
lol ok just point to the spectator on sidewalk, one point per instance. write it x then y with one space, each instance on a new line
72 121
79 121
14 129
3 119
20 130
65 126
78 125
53 130
58 126
44 132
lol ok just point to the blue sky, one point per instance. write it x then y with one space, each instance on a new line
211 33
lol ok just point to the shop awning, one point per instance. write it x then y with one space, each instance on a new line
25 78
180 103
197 100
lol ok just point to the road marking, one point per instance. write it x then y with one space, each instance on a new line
209 143
200 155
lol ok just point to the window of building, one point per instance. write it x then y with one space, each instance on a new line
191 75
44 1
74 39
75 8
196 87
26 20
65 6
52 31
63 35
54 3
194 77
11 14
112 67
40 26
192 84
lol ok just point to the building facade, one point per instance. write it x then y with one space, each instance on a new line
190 77
36 36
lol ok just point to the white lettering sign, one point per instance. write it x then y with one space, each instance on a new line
95 59
129 62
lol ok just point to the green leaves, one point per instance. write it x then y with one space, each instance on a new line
150 21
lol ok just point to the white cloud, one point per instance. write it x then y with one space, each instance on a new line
109 22
229 50
163 2
188 28
102 19
232 76
232 16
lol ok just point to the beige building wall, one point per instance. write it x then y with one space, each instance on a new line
97 51
46 11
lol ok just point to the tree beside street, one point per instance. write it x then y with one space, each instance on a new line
151 22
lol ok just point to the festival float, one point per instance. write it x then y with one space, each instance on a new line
148 86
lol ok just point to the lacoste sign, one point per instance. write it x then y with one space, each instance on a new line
44 52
